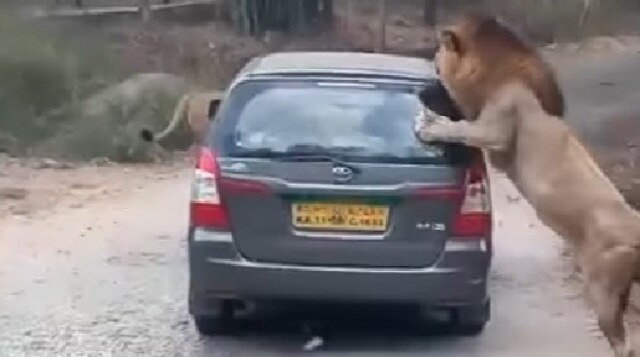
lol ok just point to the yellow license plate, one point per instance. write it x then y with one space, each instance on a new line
340 217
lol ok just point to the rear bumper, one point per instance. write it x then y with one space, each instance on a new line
217 270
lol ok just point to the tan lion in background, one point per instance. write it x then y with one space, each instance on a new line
197 108
544 159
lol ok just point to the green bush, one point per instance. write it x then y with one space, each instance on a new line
61 96
42 74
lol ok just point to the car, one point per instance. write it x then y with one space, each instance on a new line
312 187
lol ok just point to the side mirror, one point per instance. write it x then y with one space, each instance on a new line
214 105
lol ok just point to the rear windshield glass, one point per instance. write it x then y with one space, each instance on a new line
355 121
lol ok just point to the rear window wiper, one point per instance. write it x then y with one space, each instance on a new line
309 157
298 156
315 152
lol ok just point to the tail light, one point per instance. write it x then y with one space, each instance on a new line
474 216
206 206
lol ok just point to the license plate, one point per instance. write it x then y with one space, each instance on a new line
340 217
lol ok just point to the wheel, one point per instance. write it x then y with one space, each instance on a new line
222 323
470 320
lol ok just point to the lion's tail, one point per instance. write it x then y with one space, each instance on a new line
178 115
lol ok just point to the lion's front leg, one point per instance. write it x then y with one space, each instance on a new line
483 134
431 127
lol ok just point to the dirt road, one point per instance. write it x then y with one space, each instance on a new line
94 264
600 85
110 279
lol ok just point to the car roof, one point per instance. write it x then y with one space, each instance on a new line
345 63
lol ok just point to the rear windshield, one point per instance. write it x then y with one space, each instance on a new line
353 121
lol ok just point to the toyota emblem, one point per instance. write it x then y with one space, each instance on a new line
342 173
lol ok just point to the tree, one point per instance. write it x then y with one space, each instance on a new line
350 11
254 17
429 12
78 3
327 10
588 6
144 7
382 23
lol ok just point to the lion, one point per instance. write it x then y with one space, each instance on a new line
482 45
198 108
549 165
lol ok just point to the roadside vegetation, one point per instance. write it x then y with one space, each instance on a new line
62 95
64 86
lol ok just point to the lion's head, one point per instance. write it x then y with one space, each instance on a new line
477 54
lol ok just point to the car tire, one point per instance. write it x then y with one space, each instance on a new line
470 320
221 323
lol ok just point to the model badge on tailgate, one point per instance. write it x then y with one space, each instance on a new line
429 226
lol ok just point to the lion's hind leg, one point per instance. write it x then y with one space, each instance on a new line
609 275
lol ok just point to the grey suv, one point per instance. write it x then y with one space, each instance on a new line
313 187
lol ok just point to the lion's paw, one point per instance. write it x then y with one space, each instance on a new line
429 126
